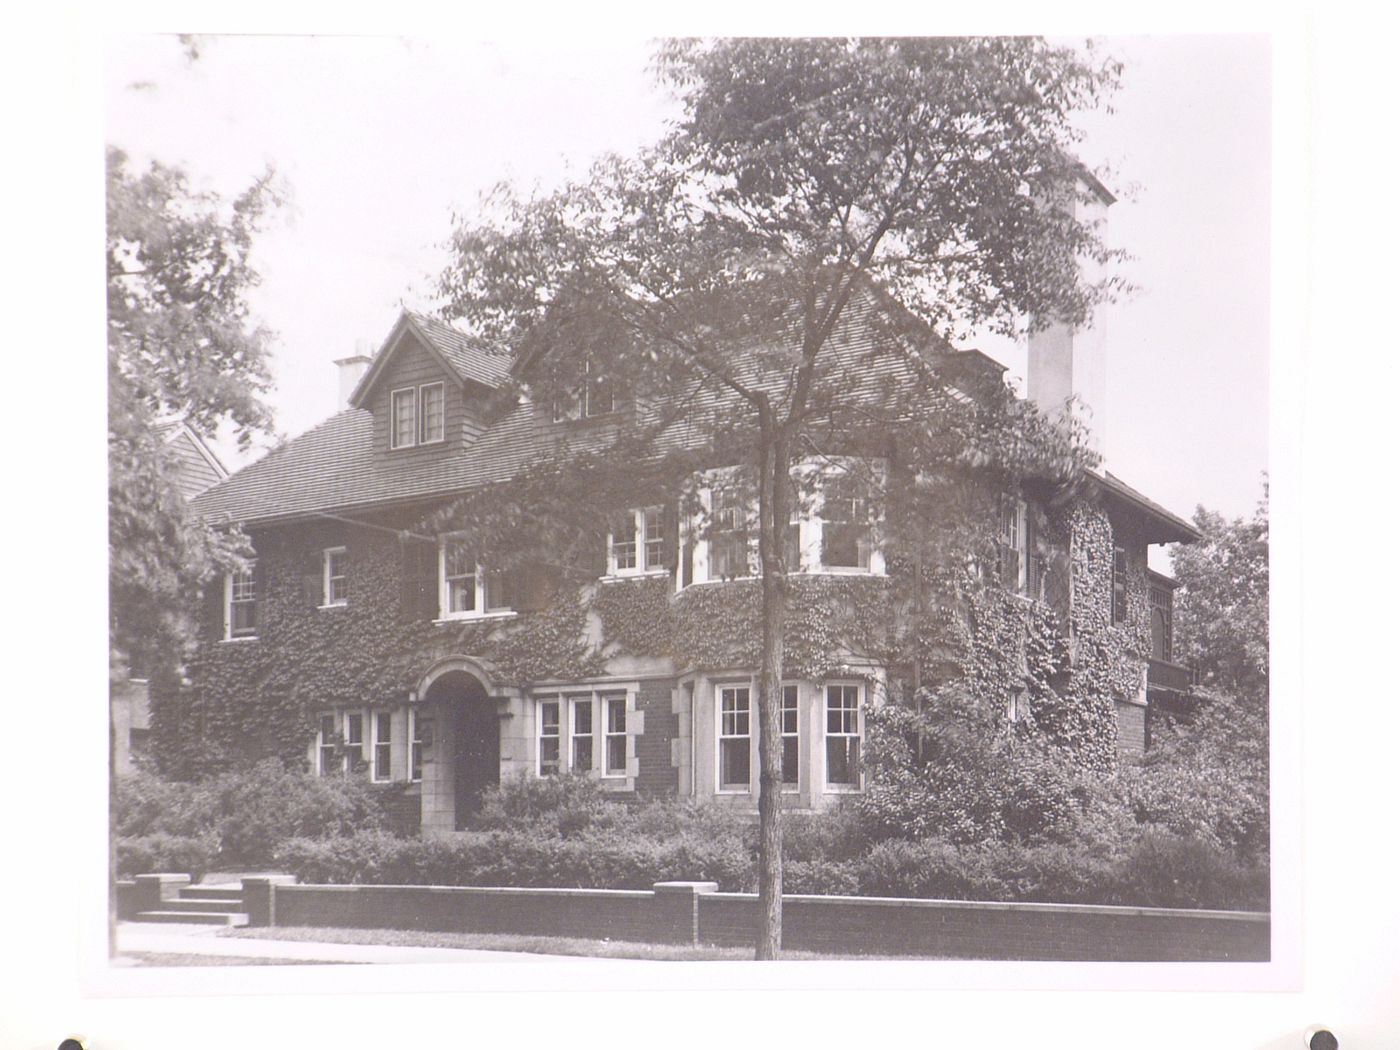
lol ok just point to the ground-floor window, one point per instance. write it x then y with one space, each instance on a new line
734 734
790 736
583 733
415 747
328 761
383 746
842 735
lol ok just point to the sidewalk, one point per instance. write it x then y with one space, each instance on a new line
205 940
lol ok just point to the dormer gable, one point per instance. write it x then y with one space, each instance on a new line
429 387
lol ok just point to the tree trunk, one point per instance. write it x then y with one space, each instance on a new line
772 519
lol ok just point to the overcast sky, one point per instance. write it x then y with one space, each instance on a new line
380 141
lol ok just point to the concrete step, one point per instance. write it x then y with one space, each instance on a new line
200 904
213 893
206 918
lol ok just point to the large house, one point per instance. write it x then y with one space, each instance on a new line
378 646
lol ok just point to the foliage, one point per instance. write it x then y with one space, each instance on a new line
180 344
242 818
192 855
1222 606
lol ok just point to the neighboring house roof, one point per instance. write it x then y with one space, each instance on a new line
198 466
461 356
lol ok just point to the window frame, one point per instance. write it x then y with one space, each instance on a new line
858 735
231 582
723 787
421 428
582 702
353 742
556 737
381 746
412 442
640 543
607 701
480 587
415 746
328 578
865 531
326 747
794 735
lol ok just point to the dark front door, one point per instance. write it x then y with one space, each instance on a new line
476 736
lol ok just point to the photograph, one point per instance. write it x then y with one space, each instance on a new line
779 499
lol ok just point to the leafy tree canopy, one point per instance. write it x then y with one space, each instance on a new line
181 345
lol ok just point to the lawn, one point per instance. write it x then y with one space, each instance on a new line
506 942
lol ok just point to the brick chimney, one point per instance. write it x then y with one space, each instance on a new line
352 370
1067 368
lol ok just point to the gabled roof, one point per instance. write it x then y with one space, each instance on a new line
461 356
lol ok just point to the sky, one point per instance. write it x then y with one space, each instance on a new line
381 141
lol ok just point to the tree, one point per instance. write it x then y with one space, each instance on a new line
1222 606
919 182
180 344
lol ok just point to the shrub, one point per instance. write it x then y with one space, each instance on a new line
566 803
161 852
1168 871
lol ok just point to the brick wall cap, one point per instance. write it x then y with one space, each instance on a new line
685 887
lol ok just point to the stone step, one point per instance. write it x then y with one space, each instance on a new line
201 904
213 893
206 918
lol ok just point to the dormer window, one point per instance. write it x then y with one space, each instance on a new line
594 397
418 415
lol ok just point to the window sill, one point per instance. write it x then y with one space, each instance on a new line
334 605
241 638
505 614
647 574
795 572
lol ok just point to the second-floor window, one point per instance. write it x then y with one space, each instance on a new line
845 524
729 536
1161 601
465 587
417 415
636 544
335 580
240 605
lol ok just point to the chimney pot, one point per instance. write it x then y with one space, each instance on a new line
352 370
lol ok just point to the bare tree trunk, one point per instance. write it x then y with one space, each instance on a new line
772 515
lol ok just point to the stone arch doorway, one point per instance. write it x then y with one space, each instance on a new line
468 759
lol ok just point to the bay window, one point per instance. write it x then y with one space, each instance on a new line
382 748
549 738
729 539
734 738
846 540
581 751
842 735
583 733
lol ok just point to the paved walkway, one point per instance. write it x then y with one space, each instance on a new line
205 940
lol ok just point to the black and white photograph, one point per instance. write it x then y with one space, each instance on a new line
668 511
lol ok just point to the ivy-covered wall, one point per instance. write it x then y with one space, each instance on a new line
1063 657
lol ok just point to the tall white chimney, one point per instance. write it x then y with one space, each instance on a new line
1067 368
352 370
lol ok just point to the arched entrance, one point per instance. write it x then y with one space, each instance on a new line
472 746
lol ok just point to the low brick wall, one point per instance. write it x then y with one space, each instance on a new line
694 913
664 915
993 930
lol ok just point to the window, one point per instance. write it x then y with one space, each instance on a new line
1161 602
592 397
734 738
636 544
354 739
729 540
334 581
1120 585
843 735
549 738
415 747
1013 542
1015 705
615 736
432 413
328 760
465 588
382 725
403 422
789 728
240 605
581 749
845 524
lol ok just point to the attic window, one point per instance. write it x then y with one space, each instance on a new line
593 397
417 416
